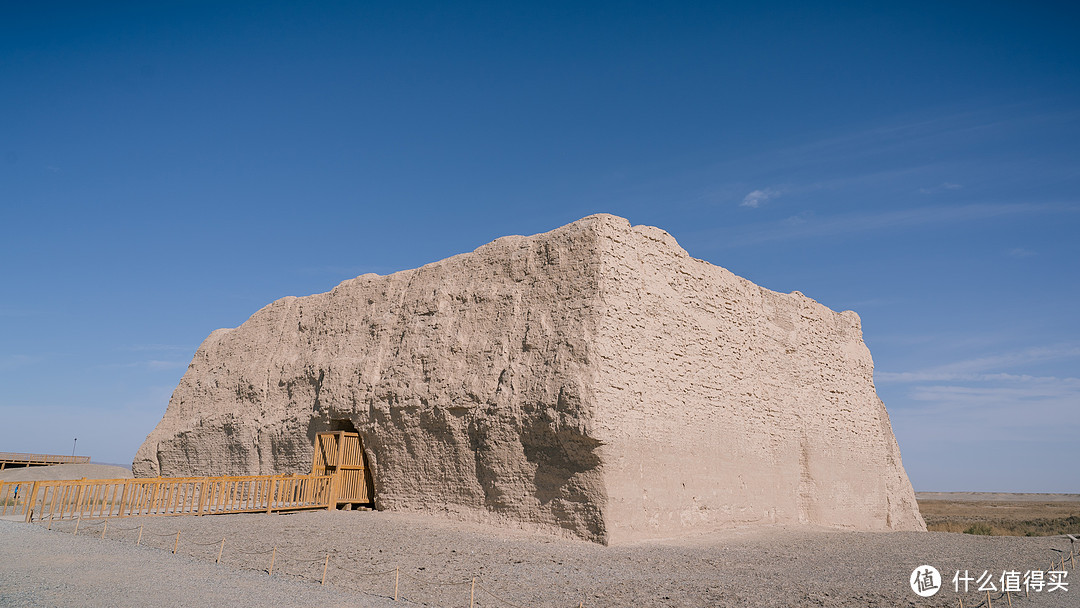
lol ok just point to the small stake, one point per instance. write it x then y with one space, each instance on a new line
1008 596
104 528
325 564
50 521
472 592
988 604
272 556
220 550
177 543
77 525
139 540
397 573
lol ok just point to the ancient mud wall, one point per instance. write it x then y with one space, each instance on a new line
594 379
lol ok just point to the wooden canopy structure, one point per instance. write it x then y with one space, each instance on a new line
10 460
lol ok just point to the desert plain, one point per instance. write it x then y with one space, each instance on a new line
437 561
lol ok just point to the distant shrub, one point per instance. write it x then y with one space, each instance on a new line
980 529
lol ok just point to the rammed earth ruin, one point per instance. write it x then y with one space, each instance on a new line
594 380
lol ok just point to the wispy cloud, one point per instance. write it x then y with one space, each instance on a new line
940 188
757 197
807 226
156 364
18 312
157 348
988 368
18 360
1035 412
981 396
1020 252
151 364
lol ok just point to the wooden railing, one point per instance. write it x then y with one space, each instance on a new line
97 498
13 459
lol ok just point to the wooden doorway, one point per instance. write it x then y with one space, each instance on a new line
341 454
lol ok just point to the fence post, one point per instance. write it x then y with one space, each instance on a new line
30 503
332 501
202 494
177 543
79 496
138 541
397 573
472 592
104 528
272 557
325 564
220 550
123 499
270 494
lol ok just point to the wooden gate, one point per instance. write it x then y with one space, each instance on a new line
341 454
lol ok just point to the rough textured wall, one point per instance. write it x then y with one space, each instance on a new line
721 403
468 379
593 379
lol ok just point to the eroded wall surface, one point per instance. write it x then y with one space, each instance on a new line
594 380
468 379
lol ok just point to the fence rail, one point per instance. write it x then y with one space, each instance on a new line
15 459
103 498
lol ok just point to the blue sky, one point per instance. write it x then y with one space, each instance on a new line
167 169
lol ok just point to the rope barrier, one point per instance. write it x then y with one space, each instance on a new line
1058 563
254 552
503 600
435 584
351 571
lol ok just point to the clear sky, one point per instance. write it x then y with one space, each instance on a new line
168 168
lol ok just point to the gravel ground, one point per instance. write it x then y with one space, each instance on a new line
39 568
437 560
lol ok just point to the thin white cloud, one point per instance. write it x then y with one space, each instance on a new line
1020 252
757 197
156 348
807 226
151 364
988 368
18 312
940 188
13 361
1041 411
155 364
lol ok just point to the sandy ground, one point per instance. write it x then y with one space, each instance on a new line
438 559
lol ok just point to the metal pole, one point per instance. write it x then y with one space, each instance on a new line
73 448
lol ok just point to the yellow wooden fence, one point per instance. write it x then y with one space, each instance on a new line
98 498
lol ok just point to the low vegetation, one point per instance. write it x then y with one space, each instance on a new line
1002 518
